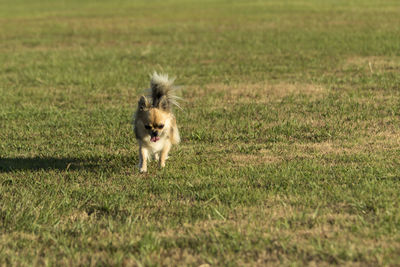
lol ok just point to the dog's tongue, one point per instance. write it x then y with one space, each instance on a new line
155 139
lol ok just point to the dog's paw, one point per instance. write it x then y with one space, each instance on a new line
142 170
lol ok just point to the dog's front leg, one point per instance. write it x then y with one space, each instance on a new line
143 155
164 154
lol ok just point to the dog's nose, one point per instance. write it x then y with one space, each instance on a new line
154 133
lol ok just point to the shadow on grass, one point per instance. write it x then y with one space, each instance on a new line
45 163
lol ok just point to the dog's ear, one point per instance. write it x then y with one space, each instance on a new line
163 103
143 103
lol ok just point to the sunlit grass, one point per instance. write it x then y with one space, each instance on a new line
290 133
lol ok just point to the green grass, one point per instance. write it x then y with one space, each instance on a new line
290 150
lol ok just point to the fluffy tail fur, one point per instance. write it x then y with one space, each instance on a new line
162 90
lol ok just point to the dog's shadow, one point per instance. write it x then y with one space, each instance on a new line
11 164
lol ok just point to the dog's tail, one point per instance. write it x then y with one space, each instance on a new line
163 91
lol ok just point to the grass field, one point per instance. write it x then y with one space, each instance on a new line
290 127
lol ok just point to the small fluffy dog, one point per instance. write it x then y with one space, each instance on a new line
154 124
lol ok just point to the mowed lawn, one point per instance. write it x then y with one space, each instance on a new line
290 128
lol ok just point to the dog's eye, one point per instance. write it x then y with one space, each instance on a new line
148 127
160 126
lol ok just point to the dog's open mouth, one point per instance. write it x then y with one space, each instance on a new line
154 139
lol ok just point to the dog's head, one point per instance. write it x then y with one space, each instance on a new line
153 119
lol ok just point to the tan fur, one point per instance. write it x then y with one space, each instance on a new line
156 115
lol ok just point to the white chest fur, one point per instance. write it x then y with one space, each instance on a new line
155 147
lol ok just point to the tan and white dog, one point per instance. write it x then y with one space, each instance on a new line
154 124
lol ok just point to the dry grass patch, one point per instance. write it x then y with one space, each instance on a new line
257 93
384 141
392 137
326 148
374 64
381 142
6 238
242 160
284 152
77 216
173 256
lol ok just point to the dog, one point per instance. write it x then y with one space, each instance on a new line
154 123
